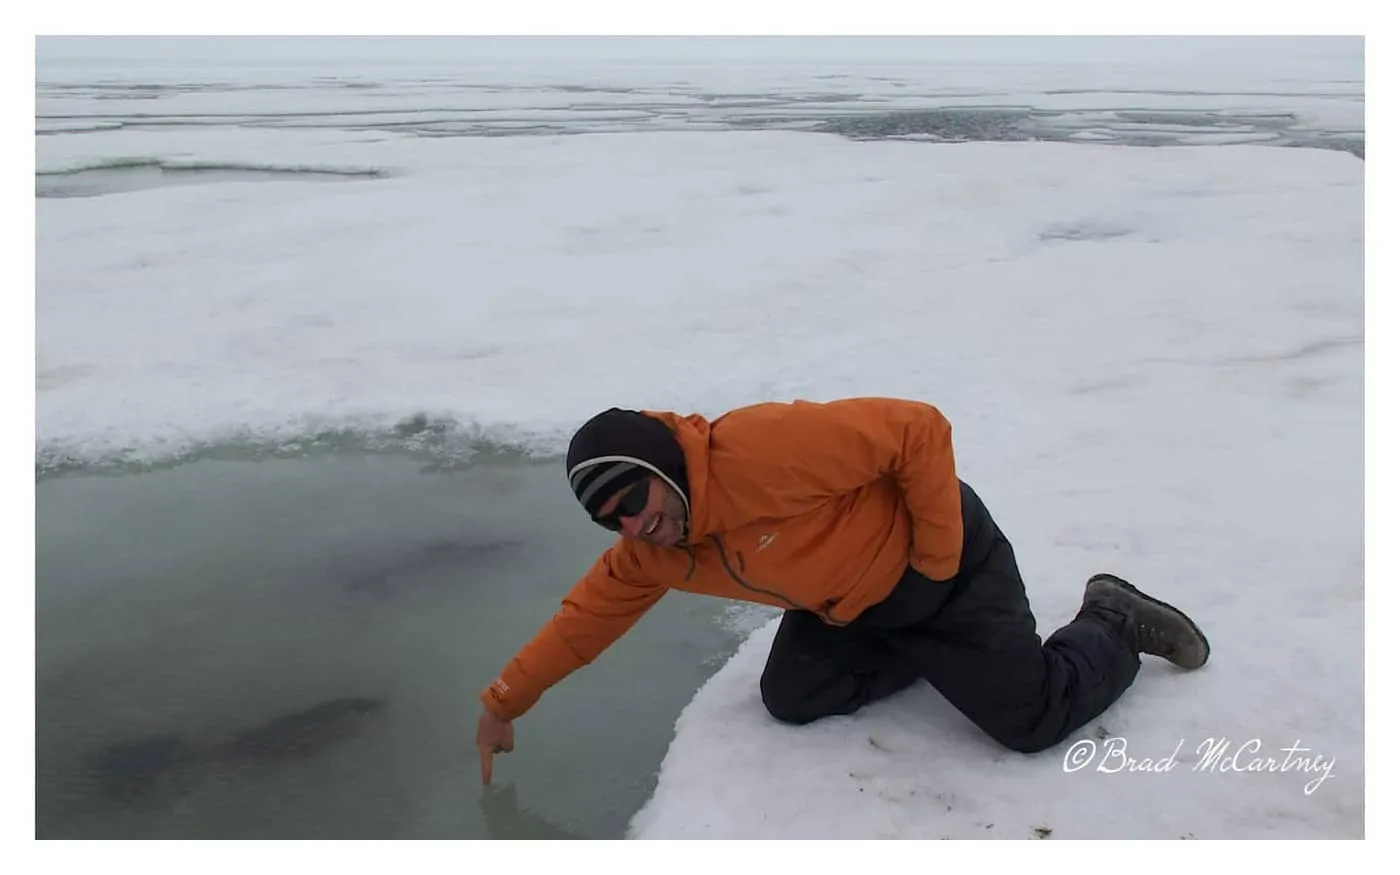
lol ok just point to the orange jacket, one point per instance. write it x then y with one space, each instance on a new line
814 506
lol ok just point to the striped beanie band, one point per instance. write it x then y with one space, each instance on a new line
617 448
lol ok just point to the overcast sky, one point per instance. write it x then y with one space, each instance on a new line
884 49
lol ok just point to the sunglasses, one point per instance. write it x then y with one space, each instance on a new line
632 502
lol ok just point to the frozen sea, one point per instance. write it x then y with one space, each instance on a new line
315 319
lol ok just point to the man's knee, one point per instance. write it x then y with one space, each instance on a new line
1027 743
837 694
785 705
1023 737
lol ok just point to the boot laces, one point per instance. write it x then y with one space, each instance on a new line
1152 640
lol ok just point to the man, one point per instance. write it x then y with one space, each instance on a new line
850 515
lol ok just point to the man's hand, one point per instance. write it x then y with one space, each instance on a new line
493 736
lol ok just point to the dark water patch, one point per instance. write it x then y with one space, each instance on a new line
351 84
141 90
120 176
592 89
302 733
1128 127
169 765
1354 145
773 122
1177 92
130 95
385 577
949 125
53 129
985 115
131 771
250 119
125 90
1082 231
829 98
1268 121
477 129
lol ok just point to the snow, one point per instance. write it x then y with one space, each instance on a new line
1152 358
515 284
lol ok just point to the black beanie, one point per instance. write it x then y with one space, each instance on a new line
619 447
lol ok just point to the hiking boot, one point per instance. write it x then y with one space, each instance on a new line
1162 630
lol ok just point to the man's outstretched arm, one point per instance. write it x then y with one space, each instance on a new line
601 607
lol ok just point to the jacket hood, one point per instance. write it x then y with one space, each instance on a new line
692 432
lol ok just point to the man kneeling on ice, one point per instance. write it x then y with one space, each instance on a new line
849 515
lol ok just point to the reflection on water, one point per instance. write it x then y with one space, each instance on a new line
506 819
292 649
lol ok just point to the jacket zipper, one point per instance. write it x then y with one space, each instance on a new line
719 544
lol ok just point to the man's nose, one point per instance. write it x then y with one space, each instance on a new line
632 525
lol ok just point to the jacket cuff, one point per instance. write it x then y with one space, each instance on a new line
508 700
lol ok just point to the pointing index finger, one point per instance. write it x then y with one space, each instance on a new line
485 764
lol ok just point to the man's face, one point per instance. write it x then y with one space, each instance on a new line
648 510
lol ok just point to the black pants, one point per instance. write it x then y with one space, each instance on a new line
974 639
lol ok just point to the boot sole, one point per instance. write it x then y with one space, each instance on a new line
1122 584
